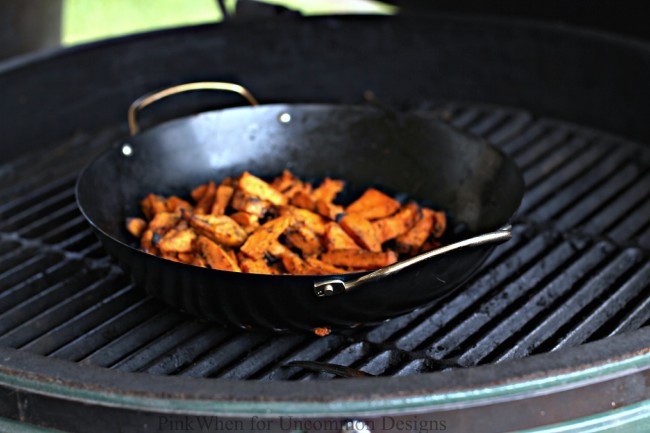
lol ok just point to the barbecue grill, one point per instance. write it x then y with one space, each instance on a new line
551 335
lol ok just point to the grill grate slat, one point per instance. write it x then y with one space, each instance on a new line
574 272
535 305
161 345
138 336
111 329
83 322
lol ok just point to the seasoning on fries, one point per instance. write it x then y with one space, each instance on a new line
286 226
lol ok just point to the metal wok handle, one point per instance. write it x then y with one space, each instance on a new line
336 286
146 100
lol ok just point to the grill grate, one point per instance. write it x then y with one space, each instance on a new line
575 271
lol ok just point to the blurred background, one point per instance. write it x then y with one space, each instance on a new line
28 25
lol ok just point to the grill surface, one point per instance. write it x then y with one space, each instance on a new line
576 271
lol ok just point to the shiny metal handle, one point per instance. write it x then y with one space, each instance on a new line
336 286
146 100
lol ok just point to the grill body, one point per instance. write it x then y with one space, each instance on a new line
552 329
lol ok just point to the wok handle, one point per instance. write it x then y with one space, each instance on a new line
335 286
146 100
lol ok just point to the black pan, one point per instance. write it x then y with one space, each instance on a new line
412 154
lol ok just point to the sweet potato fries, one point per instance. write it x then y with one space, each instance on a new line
287 226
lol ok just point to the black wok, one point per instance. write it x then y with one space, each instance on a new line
413 154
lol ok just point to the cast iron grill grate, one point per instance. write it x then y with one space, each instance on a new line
576 271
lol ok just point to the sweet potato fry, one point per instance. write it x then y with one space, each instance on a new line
198 192
276 249
186 257
164 221
221 229
199 261
249 204
222 199
359 259
411 241
256 187
146 242
215 256
228 181
303 200
253 266
204 205
328 210
170 256
304 232
153 204
301 187
439 225
328 190
136 226
175 204
247 221
299 236
285 181
289 185
361 231
261 239
297 266
322 268
429 245
335 238
373 204
312 220
177 241
393 226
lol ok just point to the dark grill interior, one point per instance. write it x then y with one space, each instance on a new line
576 271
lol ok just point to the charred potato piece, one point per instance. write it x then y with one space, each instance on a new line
163 222
253 266
177 241
312 220
308 242
256 187
439 225
393 226
222 199
322 268
221 229
261 239
215 256
297 266
204 205
361 231
249 222
336 238
373 204
152 205
328 190
303 200
411 241
136 226
249 204
360 259
175 204
198 192
328 210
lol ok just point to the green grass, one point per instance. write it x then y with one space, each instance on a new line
90 20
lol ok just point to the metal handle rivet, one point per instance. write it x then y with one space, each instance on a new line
328 289
127 150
